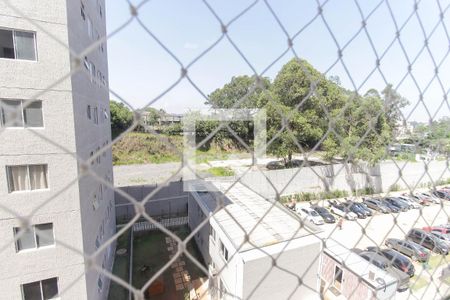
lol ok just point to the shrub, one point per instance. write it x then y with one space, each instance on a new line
394 188
365 191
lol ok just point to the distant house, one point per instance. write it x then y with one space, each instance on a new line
280 258
345 275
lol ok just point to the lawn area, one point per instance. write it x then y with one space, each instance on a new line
220 171
437 260
418 282
150 254
121 268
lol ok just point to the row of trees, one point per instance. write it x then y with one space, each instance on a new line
306 110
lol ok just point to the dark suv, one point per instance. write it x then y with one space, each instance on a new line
397 260
376 205
427 240
402 206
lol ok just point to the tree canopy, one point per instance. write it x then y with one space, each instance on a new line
121 117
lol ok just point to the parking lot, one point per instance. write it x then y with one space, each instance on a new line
374 230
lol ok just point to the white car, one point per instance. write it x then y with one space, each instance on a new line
309 214
342 211
429 197
410 202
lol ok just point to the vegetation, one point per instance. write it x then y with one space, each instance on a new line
121 268
364 191
394 188
307 196
121 118
434 136
220 171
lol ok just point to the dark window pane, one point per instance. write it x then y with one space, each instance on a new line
6 44
25 46
45 235
50 288
33 114
11 113
26 241
32 291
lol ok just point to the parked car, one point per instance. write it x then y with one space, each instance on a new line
392 208
376 205
309 214
363 208
325 214
421 199
361 214
410 201
383 263
401 205
445 238
440 229
396 259
342 211
430 197
415 251
443 194
427 240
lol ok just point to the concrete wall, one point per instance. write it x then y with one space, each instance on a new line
170 200
298 260
343 177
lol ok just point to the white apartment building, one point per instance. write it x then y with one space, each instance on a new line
243 268
41 146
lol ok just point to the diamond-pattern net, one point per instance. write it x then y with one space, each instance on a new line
373 231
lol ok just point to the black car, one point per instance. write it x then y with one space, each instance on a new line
356 210
376 205
428 241
401 205
443 194
397 260
391 207
325 214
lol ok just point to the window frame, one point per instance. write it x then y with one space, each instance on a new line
9 183
16 231
40 287
224 251
22 114
13 30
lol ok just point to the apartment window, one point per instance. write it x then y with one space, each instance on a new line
90 28
86 63
212 233
83 15
224 251
27 177
89 112
92 71
15 44
31 239
21 113
95 115
337 277
41 290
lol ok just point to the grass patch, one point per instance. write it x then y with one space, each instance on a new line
437 260
121 268
301 197
394 188
220 171
418 282
147 148
364 191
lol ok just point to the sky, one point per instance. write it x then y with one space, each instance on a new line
140 70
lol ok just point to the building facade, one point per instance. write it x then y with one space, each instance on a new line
241 269
52 118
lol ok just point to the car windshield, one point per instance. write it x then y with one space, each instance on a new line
314 213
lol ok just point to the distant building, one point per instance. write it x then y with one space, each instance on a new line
46 132
345 275
241 268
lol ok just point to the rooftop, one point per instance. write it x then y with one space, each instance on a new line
265 221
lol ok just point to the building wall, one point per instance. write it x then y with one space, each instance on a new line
96 198
339 177
298 259
65 137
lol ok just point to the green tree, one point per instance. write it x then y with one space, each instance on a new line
235 91
302 99
393 105
121 117
153 115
